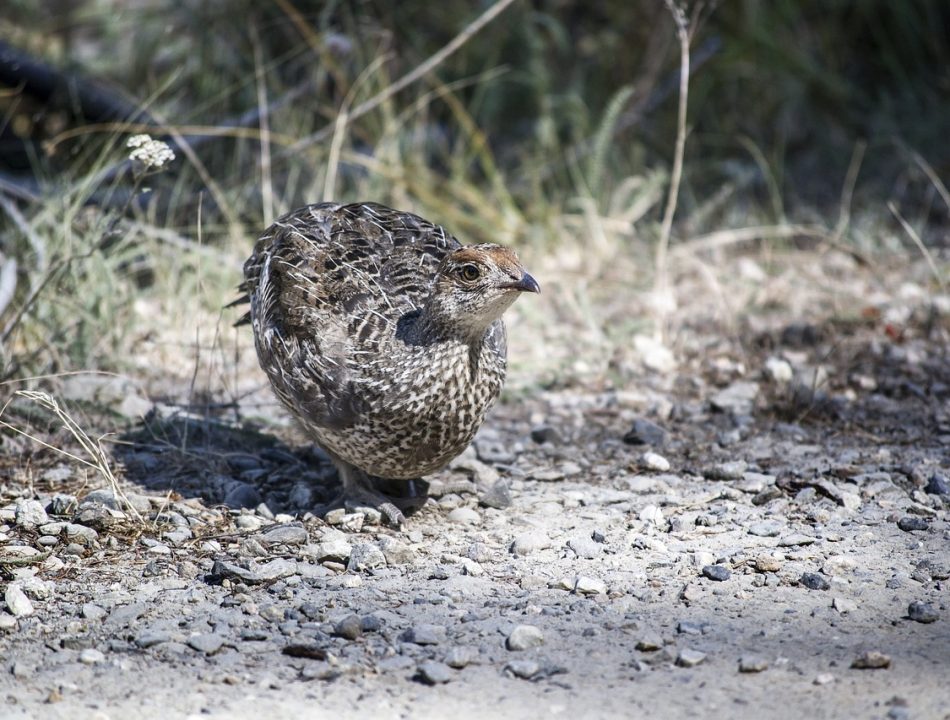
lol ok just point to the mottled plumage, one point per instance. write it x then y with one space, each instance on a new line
382 335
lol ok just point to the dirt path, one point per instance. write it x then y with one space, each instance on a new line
784 552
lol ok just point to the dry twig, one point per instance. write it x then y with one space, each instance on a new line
920 245
683 36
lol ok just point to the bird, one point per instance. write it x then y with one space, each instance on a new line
383 336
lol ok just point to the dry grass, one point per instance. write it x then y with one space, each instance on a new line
95 455
626 246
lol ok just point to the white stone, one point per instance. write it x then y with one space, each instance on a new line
91 656
530 542
34 587
838 565
654 354
17 601
653 515
525 637
654 461
464 516
779 370
590 586
843 605
30 513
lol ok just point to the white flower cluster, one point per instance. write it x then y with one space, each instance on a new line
152 154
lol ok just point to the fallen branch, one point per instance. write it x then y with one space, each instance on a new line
78 96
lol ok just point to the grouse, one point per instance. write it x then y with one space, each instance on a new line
382 335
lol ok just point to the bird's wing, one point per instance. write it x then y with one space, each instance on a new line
327 285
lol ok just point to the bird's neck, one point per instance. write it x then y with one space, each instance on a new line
435 323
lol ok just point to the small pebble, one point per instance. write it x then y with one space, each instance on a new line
334 546
395 551
91 656
645 432
546 434
767 564
370 623
461 656
74 550
836 565
30 513
779 370
207 643
586 547
922 612
353 522
350 627
752 664
719 573
653 515
547 475
91 611
910 523
590 586
688 658
733 470
365 556
524 637
649 642
654 461
425 634
434 673
765 528
36 588
495 495
823 679
843 605
335 516
530 542
814 581
937 485
767 495
737 399
524 669
150 638
687 627
464 516
18 603
871 660
285 535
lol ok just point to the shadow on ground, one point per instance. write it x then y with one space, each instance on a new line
224 464
237 466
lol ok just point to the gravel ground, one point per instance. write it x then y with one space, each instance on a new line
764 537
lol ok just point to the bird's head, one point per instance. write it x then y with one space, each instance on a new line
475 284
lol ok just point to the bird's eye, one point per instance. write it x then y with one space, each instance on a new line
469 272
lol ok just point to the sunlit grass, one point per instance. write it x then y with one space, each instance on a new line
503 141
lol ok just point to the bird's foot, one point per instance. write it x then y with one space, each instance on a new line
377 501
362 498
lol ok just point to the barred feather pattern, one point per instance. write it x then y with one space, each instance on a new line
338 295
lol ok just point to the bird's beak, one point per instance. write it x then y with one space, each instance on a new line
525 284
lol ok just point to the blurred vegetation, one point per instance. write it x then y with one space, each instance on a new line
555 124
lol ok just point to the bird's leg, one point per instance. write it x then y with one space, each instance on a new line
358 491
